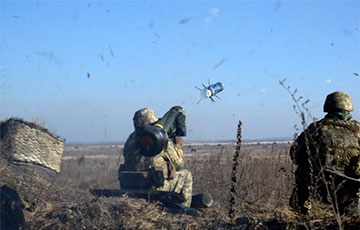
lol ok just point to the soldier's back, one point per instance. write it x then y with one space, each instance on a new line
339 143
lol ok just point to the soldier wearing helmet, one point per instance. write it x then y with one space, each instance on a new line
141 117
169 161
327 155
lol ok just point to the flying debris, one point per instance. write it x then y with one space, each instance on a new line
111 51
220 63
184 20
210 91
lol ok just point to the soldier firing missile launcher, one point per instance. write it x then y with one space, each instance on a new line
152 139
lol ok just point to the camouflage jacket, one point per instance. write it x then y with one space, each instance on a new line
332 143
168 159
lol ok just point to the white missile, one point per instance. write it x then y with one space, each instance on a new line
210 91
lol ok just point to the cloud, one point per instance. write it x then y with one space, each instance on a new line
263 90
214 12
328 81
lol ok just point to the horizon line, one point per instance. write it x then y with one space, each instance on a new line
187 142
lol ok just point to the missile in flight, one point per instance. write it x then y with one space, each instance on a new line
210 91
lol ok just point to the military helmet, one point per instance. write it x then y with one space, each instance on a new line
337 101
143 117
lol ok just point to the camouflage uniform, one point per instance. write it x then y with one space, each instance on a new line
170 161
333 144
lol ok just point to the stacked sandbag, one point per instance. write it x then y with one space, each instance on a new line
31 148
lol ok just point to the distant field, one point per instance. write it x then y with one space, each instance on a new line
265 177
116 149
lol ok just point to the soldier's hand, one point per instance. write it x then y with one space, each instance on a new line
179 151
171 171
179 141
357 169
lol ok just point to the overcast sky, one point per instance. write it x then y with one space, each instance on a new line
82 68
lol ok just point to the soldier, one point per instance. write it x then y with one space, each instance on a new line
327 155
170 161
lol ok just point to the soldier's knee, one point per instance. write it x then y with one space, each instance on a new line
188 179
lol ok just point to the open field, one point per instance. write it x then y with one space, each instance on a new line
265 178
264 184
95 166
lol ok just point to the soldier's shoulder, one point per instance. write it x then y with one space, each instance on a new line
132 136
354 122
314 126
131 139
311 131
338 125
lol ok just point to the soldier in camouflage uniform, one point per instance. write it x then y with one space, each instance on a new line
327 155
170 161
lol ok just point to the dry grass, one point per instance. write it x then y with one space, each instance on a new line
264 176
264 184
46 206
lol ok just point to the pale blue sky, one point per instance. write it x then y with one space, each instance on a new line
152 54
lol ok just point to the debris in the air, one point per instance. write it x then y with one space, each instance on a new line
184 20
111 51
219 64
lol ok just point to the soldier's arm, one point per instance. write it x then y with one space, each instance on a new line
134 160
298 150
357 156
129 148
357 166
174 154
357 170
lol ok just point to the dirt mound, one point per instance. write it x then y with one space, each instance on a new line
33 203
